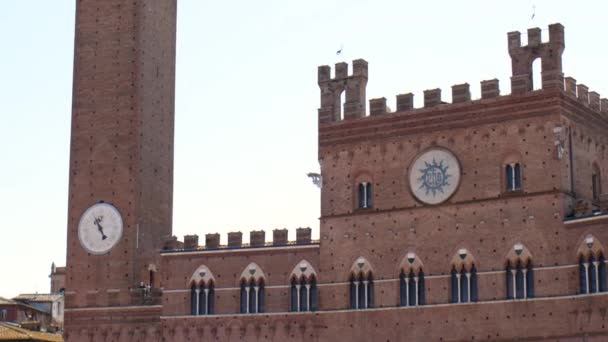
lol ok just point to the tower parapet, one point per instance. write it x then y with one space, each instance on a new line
550 54
257 238
522 57
331 91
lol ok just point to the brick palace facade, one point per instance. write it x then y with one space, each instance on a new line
479 219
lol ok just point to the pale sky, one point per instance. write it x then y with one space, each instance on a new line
246 101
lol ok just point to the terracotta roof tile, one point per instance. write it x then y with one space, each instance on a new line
10 332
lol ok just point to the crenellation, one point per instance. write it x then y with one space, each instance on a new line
341 71
360 68
377 106
432 97
257 238
594 100
582 92
354 86
235 239
534 37
354 105
212 241
461 93
303 235
191 241
172 243
514 40
405 102
490 89
324 73
570 86
280 237
550 54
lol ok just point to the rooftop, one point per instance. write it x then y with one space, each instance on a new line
9 332
38 297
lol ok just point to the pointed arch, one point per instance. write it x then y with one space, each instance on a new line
463 276
201 276
411 281
588 246
202 291
252 283
252 271
303 269
519 272
518 253
303 291
410 262
463 259
592 265
361 267
361 284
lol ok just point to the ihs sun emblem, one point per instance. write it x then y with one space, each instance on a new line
434 177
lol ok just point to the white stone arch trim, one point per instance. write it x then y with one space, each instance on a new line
590 245
519 252
411 262
459 262
361 266
252 271
201 276
303 269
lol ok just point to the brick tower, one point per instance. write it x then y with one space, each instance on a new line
121 156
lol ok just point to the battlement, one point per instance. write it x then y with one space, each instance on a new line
522 58
332 88
257 238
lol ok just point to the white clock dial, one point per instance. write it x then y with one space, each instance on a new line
100 228
434 176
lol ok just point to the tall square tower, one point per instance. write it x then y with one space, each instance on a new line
121 165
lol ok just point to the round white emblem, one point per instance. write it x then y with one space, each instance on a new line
100 228
434 176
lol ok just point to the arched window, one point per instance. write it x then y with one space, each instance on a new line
365 195
252 290
411 281
513 176
592 266
519 273
596 184
361 285
304 291
202 292
463 278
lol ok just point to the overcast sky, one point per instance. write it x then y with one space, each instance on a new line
247 99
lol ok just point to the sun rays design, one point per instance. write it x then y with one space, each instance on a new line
434 177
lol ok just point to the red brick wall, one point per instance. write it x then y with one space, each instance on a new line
122 139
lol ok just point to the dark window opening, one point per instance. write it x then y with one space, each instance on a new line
592 274
520 280
411 288
361 292
365 195
513 177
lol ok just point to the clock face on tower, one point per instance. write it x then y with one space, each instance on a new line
434 176
100 228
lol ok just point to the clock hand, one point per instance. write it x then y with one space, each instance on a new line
97 222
